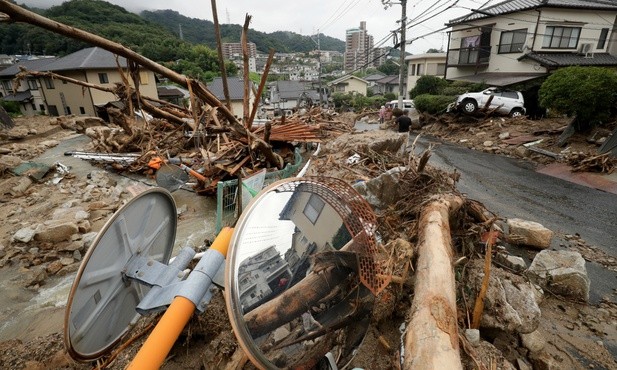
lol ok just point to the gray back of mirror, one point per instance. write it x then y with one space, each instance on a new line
301 274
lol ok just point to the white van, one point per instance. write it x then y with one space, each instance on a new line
407 104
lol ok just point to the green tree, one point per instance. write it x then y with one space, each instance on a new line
389 68
588 93
428 85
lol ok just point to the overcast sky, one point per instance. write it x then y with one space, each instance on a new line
329 17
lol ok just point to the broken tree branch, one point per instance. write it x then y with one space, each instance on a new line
431 341
18 14
246 79
219 48
262 84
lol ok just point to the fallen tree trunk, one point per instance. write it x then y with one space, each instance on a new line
431 341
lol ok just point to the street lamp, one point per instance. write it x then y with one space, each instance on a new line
403 65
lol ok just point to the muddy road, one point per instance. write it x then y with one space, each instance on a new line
512 188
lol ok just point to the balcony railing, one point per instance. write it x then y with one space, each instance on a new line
474 56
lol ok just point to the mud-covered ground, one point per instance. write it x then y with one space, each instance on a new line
574 335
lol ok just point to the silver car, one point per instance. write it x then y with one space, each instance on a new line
507 102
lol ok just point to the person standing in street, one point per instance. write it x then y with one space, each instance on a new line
404 122
382 114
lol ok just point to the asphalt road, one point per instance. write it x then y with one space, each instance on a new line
511 188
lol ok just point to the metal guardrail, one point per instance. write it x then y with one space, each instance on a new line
227 191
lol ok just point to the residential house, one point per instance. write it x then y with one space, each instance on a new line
172 94
349 84
521 40
235 86
430 64
386 84
92 65
372 79
29 92
292 94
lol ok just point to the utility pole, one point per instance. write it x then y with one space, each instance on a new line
403 70
319 68
403 65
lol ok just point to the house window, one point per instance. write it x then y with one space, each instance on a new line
32 85
512 41
49 83
103 78
42 107
67 110
412 70
33 106
420 71
469 49
143 78
602 39
82 110
7 85
313 208
441 69
557 37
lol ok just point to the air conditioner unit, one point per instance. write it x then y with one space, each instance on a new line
586 50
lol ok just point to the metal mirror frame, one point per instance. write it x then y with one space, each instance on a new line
357 216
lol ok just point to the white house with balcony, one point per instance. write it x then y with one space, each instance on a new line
520 40
429 64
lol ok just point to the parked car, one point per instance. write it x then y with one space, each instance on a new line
407 104
508 102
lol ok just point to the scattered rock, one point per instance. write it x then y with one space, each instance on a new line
504 135
561 272
88 238
513 262
56 232
488 143
24 235
533 341
19 186
35 276
473 336
54 267
529 233
544 361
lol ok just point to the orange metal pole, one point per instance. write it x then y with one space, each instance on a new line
159 343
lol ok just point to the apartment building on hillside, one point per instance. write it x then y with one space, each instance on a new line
358 48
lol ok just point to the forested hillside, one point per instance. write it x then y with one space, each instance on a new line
202 32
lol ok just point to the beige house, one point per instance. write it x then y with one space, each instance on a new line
349 83
92 65
430 64
29 93
520 40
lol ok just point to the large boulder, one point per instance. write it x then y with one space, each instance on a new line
510 304
561 272
523 232
383 190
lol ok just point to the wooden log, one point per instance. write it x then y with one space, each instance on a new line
294 301
219 48
262 84
431 341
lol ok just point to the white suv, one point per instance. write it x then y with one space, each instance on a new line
507 102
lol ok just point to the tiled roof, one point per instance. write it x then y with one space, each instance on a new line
165 91
375 77
234 84
571 59
19 97
90 58
392 80
32 65
292 89
511 6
